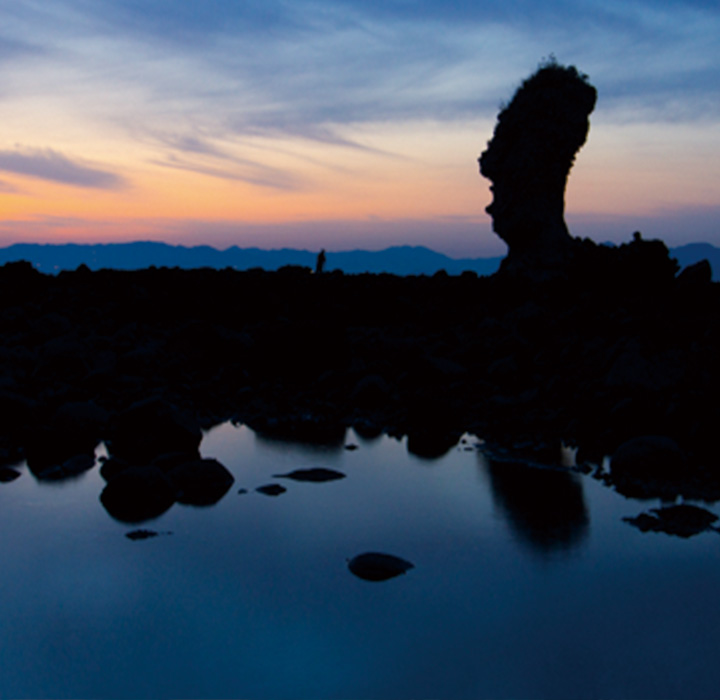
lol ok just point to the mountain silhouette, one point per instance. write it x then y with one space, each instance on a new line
397 260
400 260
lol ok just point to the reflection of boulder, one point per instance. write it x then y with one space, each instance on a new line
151 428
201 482
528 161
137 494
683 520
544 507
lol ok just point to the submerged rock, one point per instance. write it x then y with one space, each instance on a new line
271 489
316 475
682 521
375 566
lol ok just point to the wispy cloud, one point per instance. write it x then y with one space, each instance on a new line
239 171
47 164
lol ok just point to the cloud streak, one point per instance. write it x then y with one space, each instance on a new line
53 166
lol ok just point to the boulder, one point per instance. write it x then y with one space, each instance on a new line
652 456
138 494
681 520
528 161
201 482
151 428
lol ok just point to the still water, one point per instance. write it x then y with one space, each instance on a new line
526 584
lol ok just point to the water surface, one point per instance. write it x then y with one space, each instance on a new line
526 584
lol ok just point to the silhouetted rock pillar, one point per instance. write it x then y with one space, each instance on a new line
528 161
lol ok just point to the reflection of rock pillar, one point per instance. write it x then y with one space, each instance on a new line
544 507
529 158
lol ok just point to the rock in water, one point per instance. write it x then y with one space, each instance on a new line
138 494
375 566
683 520
271 489
8 474
202 482
316 474
141 534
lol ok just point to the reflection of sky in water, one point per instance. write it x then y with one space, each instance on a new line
252 597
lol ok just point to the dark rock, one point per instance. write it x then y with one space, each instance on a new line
151 428
301 427
8 474
371 392
648 456
682 521
528 161
84 417
201 482
49 446
316 475
138 494
271 489
367 429
57 471
112 467
375 566
431 442
698 274
141 534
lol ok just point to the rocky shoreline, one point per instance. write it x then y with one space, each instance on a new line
617 350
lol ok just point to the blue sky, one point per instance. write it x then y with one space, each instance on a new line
342 124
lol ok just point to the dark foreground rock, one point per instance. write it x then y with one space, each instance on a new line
138 494
614 348
201 482
8 474
375 566
682 521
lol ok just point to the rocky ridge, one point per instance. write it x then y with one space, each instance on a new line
616 348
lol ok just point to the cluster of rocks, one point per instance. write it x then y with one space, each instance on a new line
618 347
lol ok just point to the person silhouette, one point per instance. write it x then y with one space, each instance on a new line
320 263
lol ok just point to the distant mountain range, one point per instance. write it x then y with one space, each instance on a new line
399 260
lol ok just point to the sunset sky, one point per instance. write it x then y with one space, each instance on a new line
342 124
